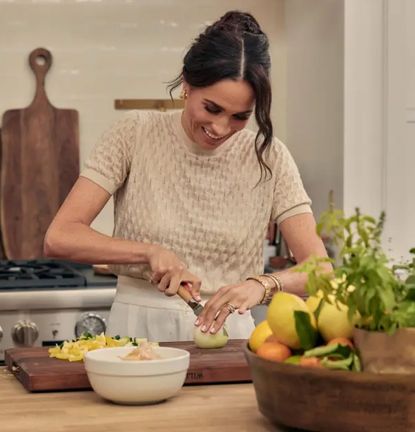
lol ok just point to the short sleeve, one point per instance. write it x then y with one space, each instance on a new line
109 162
290 197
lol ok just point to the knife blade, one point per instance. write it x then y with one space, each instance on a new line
187 297
196 306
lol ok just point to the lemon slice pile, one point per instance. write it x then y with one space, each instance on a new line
74 350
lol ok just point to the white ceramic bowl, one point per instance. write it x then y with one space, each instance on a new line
139 381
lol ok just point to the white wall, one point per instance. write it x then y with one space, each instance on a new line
364 100
399 178
379 133
114 49
350 69
314 95
336 81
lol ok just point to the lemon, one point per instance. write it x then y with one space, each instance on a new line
313 302
333 321
210 340
258 335
280 317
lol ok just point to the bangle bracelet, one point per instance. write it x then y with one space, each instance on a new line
277 280
265 282
271 284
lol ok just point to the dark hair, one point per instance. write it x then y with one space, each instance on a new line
234 47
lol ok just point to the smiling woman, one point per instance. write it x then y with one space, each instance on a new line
231 59
213 114
194 191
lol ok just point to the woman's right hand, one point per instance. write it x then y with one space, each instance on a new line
169 272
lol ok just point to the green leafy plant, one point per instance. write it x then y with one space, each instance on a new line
379 296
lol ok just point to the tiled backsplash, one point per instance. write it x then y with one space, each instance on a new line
112 49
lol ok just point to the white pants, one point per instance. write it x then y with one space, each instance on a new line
140 310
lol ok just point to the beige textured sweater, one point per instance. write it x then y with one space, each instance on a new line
203 205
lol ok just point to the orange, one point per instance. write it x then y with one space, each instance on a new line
274 351
342 341
313 362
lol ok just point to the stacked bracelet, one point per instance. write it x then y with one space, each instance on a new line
271 283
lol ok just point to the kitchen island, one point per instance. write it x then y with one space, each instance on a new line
218 407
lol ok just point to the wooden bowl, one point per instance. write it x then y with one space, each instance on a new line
326 401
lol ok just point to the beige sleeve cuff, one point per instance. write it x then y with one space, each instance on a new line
293 211
99 179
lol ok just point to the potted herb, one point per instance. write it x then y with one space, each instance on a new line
380 296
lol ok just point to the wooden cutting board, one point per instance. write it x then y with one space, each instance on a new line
38 372
40 164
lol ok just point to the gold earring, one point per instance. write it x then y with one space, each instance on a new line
183 94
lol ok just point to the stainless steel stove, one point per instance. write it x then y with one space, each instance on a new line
43 302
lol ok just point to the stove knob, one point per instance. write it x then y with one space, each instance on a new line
25 333
1 333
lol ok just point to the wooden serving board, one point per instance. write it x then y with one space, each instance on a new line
38 372
39 165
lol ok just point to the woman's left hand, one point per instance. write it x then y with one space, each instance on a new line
227 300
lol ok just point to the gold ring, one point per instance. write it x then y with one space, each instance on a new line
231 308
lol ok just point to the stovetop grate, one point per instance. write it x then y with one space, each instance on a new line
16 274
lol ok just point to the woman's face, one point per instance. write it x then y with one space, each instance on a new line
213 114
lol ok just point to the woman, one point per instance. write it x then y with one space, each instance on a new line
194 192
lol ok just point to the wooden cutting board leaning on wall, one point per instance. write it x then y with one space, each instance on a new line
39 165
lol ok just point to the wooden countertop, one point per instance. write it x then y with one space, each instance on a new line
220 407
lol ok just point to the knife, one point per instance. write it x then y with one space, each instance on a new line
187 297
196 306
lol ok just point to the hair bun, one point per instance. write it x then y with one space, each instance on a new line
238 21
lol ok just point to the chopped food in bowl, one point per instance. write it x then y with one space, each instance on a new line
123 380
145 351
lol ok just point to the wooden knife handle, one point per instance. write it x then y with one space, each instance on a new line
185 294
